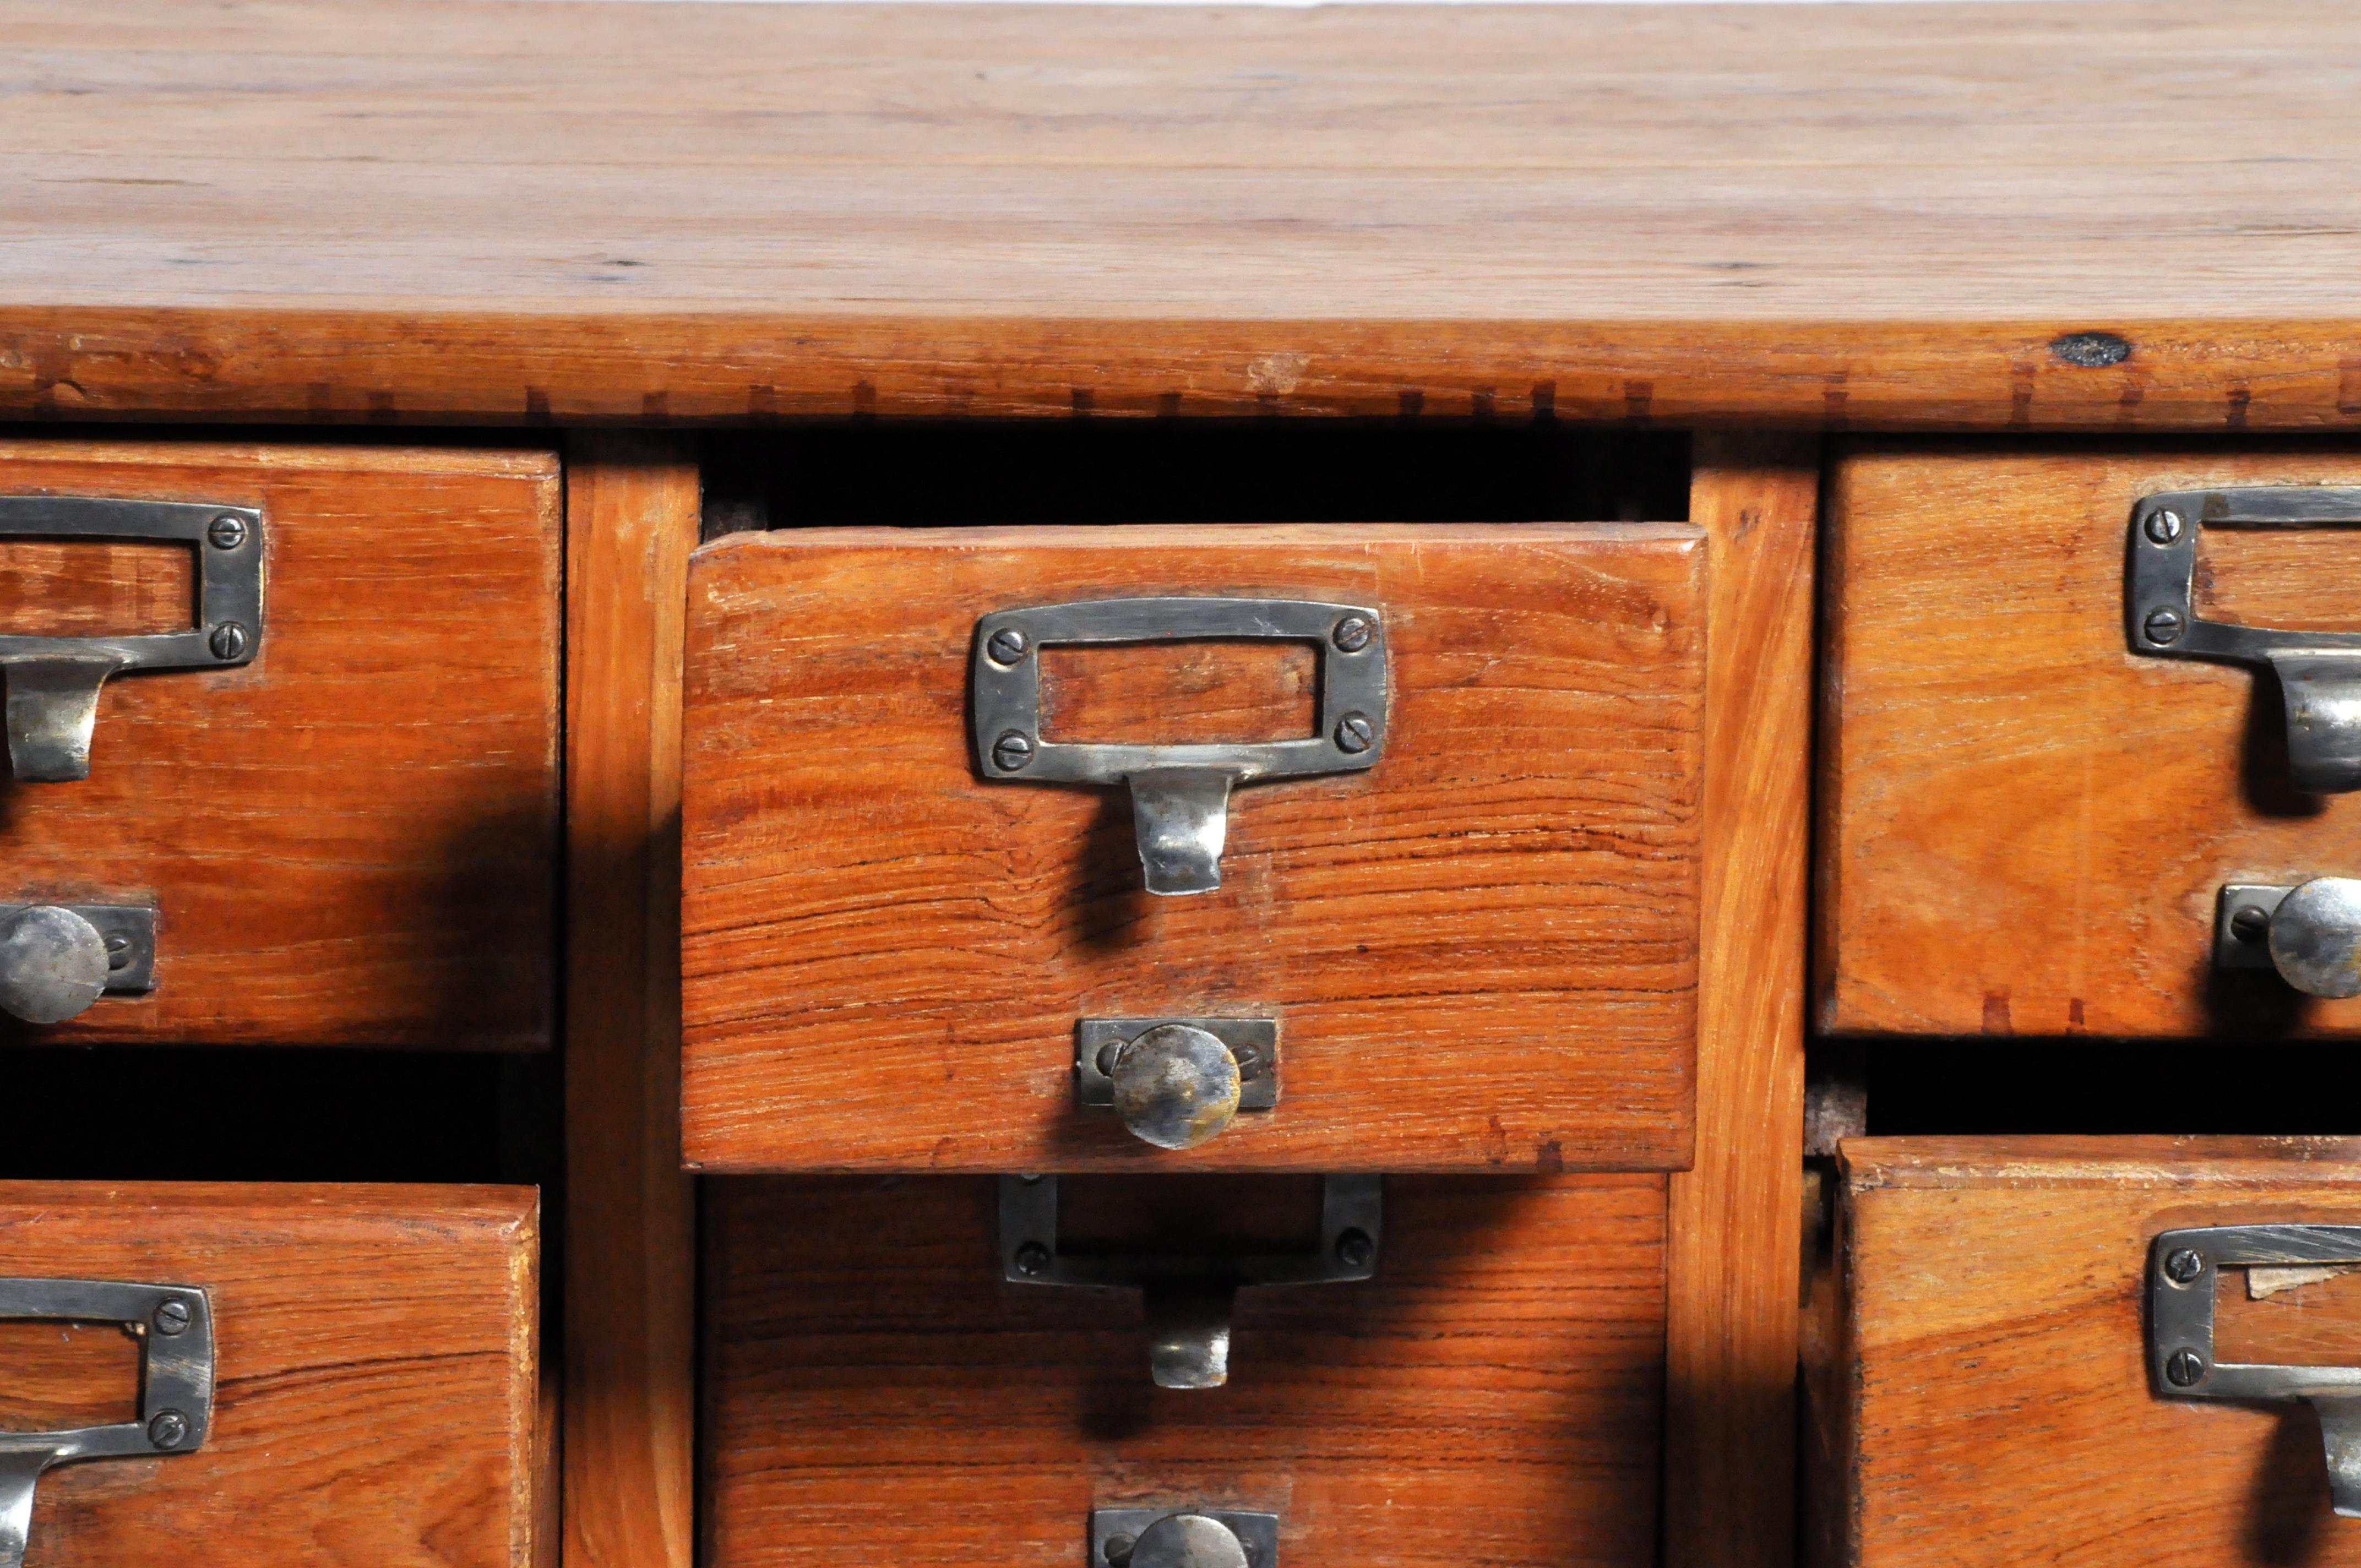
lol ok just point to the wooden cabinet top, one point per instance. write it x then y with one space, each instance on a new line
2039 214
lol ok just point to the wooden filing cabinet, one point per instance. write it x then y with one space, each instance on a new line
1467 934
340 822
331 1374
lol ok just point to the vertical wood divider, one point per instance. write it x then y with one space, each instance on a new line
1736 1219
629 1341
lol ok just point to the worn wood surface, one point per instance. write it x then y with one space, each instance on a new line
2025 826
1482 951
351 841
326 208
1994 1349
631 1273
1735 1226
874 1392
375 1350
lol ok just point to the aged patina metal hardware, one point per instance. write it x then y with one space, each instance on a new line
58 959
2184 1268
1183 1538
175 1386
1176 1083
1180 794
1189 1298
53 681
2310 932
2319 672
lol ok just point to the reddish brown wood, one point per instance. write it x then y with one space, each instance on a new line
874 1393
630 1246
1991 1358
351 841
375 1356
1731 1374
2025 826
1482 951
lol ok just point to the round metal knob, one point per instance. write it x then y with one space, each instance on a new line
52 963
2315 938
1175 1086
1188 1541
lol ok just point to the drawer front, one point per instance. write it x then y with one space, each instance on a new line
1478 953
373 1381
2004 1377
2029 825
349 838
876 1393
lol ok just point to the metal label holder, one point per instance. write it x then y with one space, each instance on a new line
53 681
1180 794
175 1386
2183 1268
1190 1298
2319 672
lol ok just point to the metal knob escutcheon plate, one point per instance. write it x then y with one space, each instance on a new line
2310 933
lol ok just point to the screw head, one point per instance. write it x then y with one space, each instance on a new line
2182 1266
1249 1061
1007 645
1109 1054
2163 527
1353 633
226 532
1032 1260
171 1318
168 1428
228 640
2250 923
1355 733
2162 626
1354 1248
1012 751
119 951
2183 1368
1118 1549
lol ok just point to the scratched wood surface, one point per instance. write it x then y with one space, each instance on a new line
352 840
876 1393
375 1351
631 1271
328 209
1993 1357
1482 951
2025 826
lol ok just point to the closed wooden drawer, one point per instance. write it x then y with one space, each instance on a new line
372 1381
2032 807
876 1392
348 833
2008 1377
1472 942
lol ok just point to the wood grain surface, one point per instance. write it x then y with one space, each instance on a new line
351 841
2025 826
375 1352
631 1271
874 1393
1482 951
464 210
1734 1245
1994 1351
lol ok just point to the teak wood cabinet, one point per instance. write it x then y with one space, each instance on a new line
1235 787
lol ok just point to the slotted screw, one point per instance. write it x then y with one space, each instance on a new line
2182 1266
2250 923
1032 1260
1012 751
1007 645
1354 1248
1353 633
1118 1550
2162 626
2185 1367
2163 527
168 1428
171 1318
1354 733
228 640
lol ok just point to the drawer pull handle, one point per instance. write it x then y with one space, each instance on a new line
53 681
175 1386
2319 672
1183 1538
1189 1298
2183 1267
58 959
2311 933
1180 794
1176 1083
